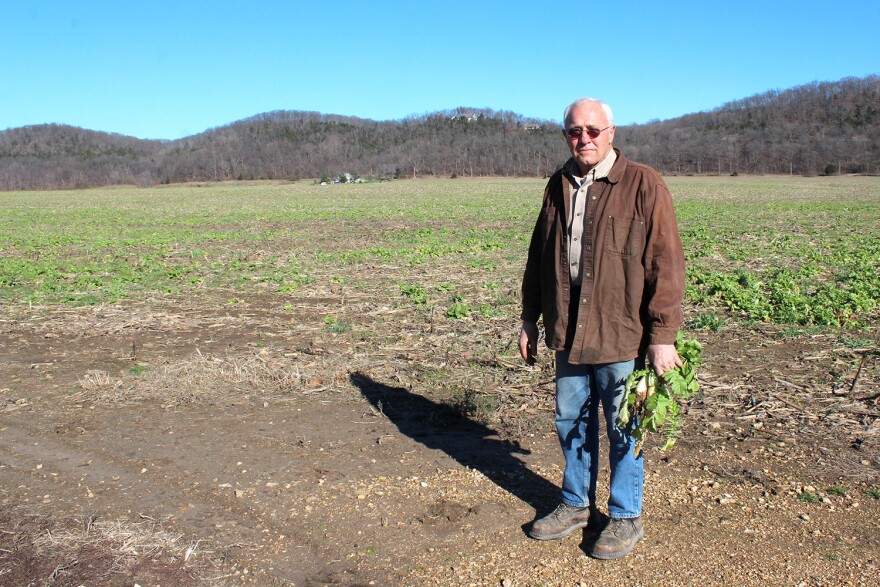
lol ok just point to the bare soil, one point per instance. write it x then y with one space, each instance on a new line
181 442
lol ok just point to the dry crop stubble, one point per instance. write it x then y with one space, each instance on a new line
229 298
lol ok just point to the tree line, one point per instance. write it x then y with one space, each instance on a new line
818 128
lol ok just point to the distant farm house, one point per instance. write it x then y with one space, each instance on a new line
532 127
464 117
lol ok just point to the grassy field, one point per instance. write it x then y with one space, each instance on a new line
800 251
319 383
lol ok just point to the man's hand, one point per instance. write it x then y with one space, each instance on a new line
663 357
528 342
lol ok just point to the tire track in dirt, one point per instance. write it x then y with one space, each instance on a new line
116 472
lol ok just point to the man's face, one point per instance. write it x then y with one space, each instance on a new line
587 151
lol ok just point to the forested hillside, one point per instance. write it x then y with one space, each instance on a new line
818 128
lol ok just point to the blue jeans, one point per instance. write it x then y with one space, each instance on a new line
579 390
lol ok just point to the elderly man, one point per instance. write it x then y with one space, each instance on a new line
605 269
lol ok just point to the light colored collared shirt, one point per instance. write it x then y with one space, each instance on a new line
581 198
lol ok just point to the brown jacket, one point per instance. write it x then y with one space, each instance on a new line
632 266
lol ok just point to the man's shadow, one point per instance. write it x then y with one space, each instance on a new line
471 444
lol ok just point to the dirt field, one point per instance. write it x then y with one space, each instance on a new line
346 433
204 470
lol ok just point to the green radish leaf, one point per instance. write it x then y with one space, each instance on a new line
661 411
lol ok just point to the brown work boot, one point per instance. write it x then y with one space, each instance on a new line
564 520
618 538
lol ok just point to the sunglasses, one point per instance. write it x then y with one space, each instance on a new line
593 133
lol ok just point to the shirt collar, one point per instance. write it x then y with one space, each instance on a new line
604 166
599 171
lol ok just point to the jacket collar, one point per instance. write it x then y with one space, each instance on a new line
616 172
571 170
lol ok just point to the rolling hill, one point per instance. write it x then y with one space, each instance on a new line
817 128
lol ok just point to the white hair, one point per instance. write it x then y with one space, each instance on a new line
605 108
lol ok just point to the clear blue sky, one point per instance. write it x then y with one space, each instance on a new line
163 69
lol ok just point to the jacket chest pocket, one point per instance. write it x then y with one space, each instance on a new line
624 236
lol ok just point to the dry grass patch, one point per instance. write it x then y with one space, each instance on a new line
205 378
39 550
